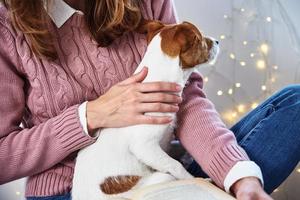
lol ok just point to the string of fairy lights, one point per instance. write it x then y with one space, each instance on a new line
261 56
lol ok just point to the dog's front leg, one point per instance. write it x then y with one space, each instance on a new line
151 154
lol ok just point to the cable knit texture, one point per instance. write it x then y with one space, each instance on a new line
44 96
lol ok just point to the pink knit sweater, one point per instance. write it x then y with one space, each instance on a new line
45 97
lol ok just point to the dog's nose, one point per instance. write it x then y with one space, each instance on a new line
217 42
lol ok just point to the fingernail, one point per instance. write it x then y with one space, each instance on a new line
178 87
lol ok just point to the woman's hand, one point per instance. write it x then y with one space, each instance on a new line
249 189
126 102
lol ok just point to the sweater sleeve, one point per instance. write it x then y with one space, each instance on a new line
28 151
163 10
204 135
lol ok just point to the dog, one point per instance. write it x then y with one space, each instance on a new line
124 159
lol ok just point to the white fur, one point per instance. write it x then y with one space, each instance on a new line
132 150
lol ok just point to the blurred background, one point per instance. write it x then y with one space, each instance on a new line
260 54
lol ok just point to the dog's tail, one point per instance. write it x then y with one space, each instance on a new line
118 184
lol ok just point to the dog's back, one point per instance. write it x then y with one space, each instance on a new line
115 152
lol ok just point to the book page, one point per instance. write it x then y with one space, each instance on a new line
195 189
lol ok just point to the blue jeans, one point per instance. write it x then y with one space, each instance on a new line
270 134
58 197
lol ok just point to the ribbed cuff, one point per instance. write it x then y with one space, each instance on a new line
222 161
69 130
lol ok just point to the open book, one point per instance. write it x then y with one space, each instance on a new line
194 189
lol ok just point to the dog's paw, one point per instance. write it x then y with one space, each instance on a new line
179 172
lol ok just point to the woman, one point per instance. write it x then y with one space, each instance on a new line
65 74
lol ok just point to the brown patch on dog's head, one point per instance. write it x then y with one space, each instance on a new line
183 40
188 42
150 27
118 184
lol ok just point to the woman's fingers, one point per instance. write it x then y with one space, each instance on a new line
146 119
160 97
136 78
159 87
136 99
156 107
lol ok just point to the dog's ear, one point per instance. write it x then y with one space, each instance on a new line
176 39
185 36
191 41
149 27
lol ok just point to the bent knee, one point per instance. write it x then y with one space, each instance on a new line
292 89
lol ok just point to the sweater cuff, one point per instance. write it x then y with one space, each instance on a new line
222 160
83 120
241 170
69 131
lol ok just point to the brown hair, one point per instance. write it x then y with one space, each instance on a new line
105 19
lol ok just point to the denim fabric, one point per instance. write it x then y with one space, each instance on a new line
270 134
59 197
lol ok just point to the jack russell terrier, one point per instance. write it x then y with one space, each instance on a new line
124 159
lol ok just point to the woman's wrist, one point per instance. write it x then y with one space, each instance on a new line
92 123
